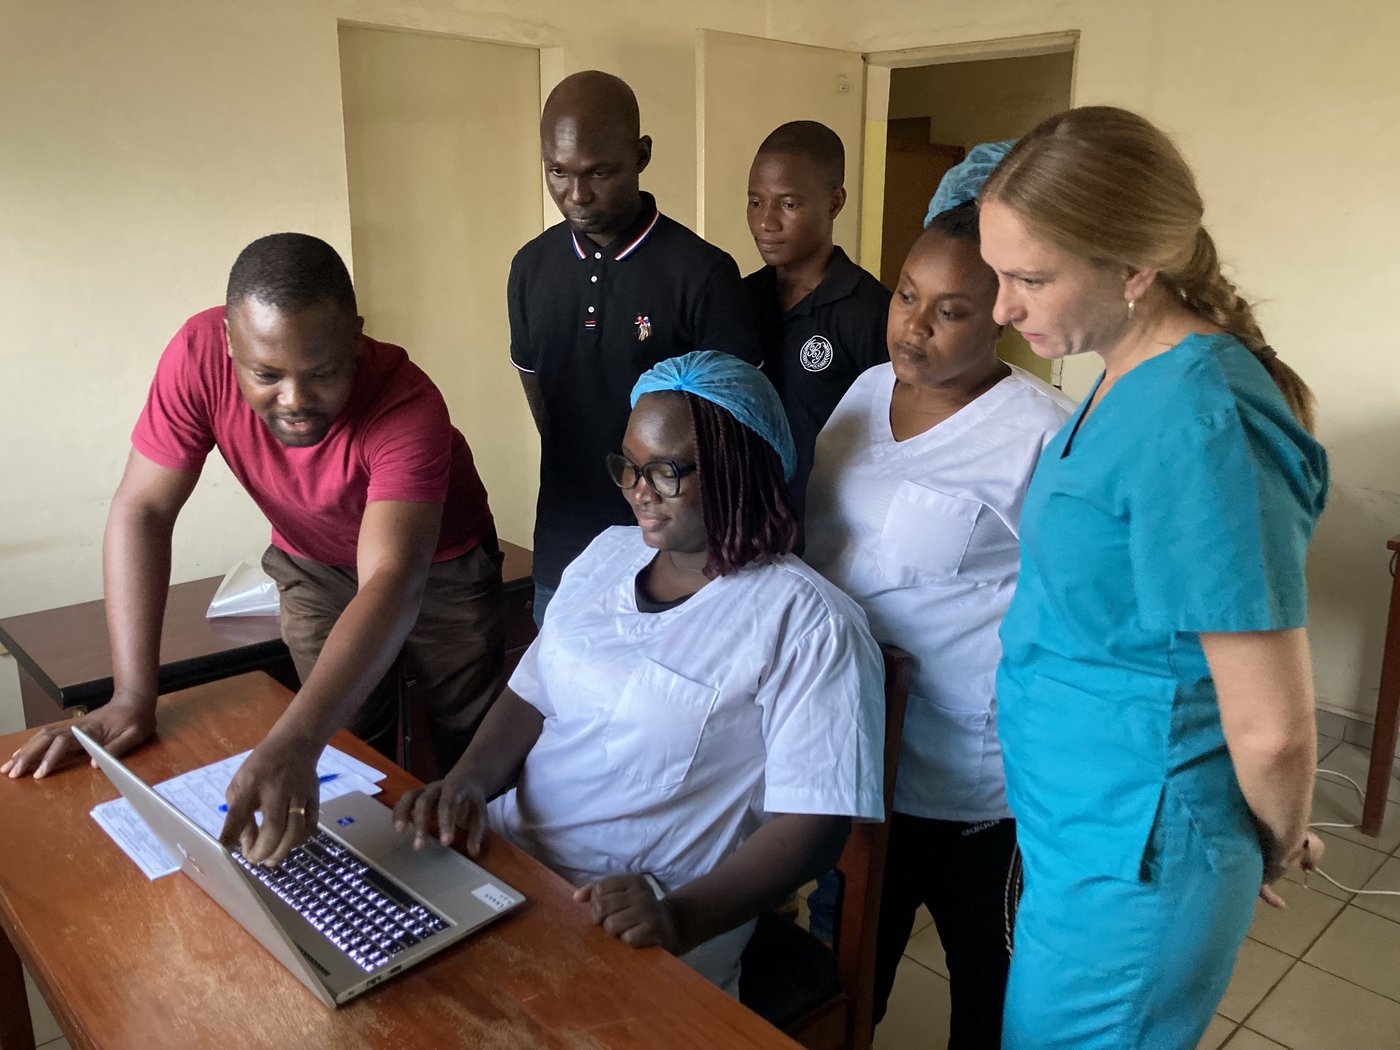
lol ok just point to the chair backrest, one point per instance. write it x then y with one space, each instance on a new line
862 865
823 1001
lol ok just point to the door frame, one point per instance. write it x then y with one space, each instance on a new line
878 65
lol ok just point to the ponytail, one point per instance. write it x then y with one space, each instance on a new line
1204 290
1105 184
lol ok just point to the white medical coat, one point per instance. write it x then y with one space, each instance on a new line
669 737
923 533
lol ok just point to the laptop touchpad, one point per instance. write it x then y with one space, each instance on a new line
432 871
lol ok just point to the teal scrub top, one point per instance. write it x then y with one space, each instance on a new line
1184 504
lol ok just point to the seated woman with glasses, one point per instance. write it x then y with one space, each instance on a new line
701 715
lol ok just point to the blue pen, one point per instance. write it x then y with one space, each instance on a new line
324 778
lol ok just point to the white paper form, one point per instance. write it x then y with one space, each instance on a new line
130 832
199 794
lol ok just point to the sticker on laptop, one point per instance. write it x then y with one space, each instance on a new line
494 896
344 821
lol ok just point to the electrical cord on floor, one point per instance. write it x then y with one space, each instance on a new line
1361 795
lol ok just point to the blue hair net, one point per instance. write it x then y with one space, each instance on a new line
735 386
963 181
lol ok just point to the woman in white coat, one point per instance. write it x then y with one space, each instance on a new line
914 510
701 716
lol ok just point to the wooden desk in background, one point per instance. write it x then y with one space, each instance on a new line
65 662
129 963
1387 710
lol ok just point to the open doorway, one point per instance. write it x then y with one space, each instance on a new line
941 104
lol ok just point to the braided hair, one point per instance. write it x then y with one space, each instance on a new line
745 501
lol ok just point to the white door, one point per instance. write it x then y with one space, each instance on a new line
747 87
442 153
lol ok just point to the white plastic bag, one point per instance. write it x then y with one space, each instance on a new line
246 591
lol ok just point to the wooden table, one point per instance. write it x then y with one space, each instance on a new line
126 962
1387 710
65 662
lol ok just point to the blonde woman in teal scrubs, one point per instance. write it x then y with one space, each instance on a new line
1156 689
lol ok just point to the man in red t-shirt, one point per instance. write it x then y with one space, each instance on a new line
382 540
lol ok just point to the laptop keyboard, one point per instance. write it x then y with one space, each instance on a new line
358 910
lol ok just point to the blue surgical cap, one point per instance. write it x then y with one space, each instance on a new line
735 386
963 181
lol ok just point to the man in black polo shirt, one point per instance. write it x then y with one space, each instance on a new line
821 317
597 300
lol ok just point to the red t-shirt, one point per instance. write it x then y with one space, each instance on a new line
393 440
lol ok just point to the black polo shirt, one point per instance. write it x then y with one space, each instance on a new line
587 321
814 351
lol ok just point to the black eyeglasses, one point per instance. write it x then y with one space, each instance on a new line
663 475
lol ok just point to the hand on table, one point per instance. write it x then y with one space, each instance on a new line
1307 856
627 908
278 780
119 725
453 802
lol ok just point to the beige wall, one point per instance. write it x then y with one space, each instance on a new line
1286 111
748 87
432 255
145 142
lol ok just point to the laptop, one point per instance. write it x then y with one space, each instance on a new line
352 906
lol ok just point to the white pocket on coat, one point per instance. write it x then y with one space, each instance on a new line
944 758
925 535
655 730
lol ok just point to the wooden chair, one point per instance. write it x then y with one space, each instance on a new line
415 749
415 752
823 998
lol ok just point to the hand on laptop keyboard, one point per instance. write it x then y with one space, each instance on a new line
359 911
280 782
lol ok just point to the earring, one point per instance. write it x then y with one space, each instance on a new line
1131 303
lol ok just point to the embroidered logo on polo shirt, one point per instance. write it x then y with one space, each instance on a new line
643 323
816 353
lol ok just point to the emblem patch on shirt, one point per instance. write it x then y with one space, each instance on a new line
643 323
816 353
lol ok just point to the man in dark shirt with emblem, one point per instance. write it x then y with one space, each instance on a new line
597 300
821 317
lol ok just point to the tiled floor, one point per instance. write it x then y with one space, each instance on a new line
46 1033
1324 974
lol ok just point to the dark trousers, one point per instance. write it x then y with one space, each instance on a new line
455 651
968 878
